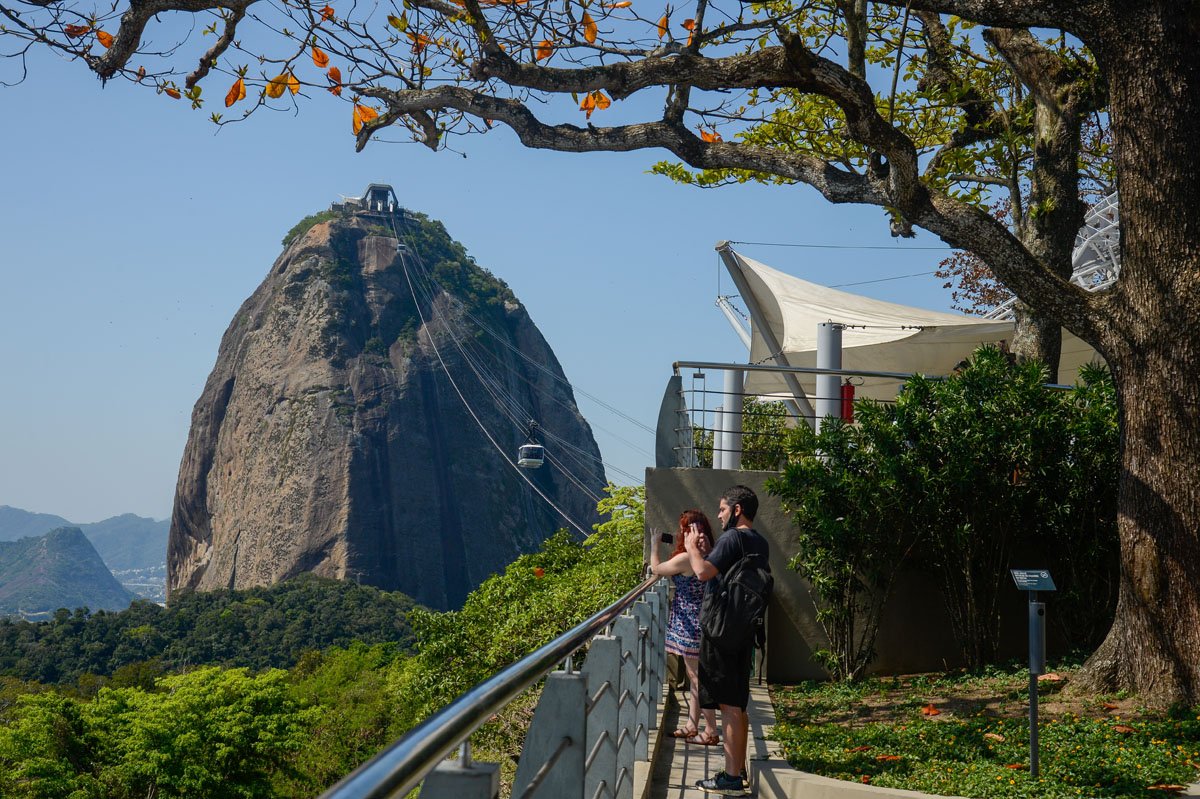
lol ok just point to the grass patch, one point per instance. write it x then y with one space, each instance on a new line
881 731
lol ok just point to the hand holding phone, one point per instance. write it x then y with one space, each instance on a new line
666 538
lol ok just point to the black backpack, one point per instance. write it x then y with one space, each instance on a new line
732 617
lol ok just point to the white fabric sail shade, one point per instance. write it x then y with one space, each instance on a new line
879 336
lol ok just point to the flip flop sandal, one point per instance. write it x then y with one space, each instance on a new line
704 740
684 733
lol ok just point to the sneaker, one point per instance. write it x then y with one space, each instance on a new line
723 784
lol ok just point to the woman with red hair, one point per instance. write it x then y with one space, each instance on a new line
683 629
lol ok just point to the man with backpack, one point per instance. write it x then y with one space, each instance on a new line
738 584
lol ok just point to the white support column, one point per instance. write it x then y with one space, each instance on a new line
734 386
829 356
718 437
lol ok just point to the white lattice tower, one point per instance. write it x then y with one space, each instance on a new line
1096 262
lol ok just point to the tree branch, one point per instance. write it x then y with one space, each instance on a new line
133 25
209 59
834 184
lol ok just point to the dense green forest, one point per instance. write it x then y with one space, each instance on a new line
256 628
236 729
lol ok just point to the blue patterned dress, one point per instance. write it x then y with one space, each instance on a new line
683 630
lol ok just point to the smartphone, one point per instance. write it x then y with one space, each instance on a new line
667 538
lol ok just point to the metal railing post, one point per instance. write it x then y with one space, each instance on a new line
603 672
647 613
463 778
552 759
625 628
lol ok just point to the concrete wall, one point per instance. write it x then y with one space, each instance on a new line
914 634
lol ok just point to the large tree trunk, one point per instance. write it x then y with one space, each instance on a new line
1152 342
1153 647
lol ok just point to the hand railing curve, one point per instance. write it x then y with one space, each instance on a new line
401 766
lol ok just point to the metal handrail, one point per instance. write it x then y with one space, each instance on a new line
812 370
401 767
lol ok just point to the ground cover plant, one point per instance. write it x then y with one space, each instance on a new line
968 735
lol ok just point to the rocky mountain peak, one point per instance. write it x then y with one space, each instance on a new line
329 437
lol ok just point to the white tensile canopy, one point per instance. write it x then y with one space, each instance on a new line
878 336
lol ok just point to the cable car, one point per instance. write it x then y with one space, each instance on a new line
531 455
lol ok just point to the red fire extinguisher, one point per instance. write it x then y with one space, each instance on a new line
848 401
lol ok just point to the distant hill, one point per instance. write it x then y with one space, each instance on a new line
60 569
133 547
129 542
16 523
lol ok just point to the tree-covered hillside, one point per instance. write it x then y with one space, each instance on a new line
257 628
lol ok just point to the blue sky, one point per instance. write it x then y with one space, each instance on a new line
131 232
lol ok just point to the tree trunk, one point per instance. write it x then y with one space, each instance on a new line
1037 336
1153 648
1151 338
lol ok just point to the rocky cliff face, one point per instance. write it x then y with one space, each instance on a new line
328 438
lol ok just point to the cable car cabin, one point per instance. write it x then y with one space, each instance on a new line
531 456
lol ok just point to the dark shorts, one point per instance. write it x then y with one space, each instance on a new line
724 675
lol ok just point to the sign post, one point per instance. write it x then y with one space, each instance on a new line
1032 581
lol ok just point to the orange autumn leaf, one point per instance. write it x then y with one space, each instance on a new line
75 31
539 572
276 86
588 104
664 25
320 57
236 92
362 115
865 779
327 13
105 38
293 84
420 41
622 4
930 710
589 28
888 758
994 736
1110 706
863 748
1014 766
335 77
1050 677
544 50
171 91
602 101
1123 729
689 24
709 137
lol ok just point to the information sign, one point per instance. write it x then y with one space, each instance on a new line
1033 580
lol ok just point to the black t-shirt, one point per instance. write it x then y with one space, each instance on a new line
728 551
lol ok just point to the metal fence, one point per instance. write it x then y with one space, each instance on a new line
590 725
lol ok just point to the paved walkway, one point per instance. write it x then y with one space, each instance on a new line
679 764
